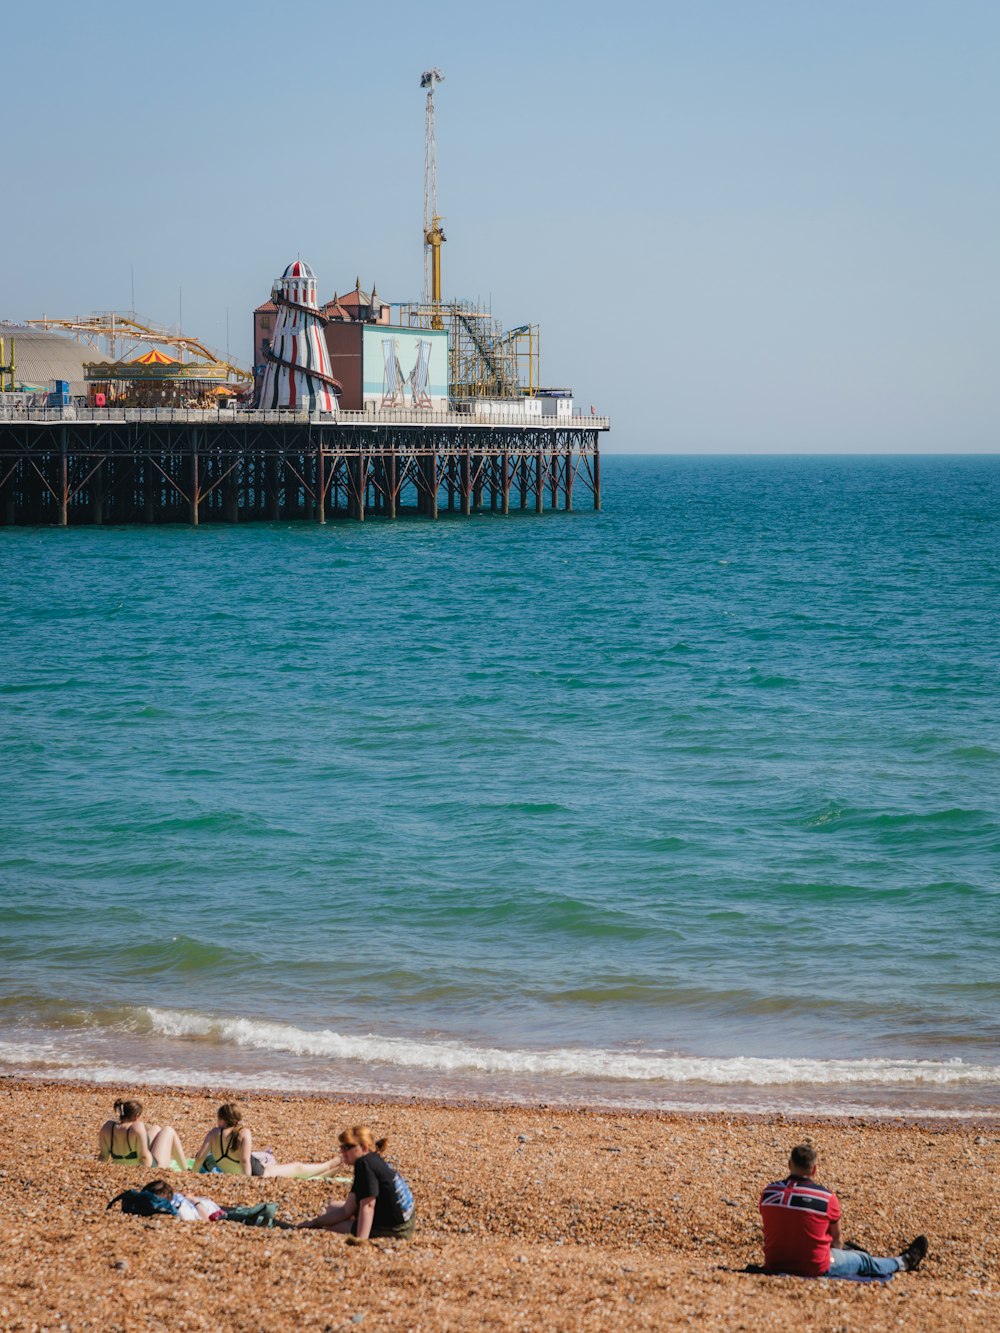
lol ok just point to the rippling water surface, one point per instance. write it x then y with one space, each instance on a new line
692 801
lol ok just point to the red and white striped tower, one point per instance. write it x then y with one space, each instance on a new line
297 374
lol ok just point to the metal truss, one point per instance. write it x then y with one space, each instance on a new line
63 472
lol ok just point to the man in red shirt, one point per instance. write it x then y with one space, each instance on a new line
802 1229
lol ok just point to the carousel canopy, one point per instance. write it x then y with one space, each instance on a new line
156 366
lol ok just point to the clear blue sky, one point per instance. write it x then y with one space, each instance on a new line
744 225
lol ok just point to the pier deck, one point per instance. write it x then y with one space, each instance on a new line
70 466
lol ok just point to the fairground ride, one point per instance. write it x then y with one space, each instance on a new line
122 334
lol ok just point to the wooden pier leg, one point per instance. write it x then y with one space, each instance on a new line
320 486
523 480
597 477
539 486
97 496
466 484
195 497
63 480
362 475
505 482
477 485
568 480
553 477
494 487
273 493
391 485
432 486
231 499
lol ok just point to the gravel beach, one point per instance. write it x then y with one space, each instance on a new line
528 1218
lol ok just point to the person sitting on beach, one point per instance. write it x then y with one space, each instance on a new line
230 1147
190 1207
802 1229
128 1139
379 1203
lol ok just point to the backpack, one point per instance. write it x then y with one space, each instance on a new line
141 1204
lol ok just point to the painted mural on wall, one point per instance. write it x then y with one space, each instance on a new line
404 368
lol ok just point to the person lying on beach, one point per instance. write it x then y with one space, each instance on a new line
802 1229
128 1139
190 1207
380 1202
229 1148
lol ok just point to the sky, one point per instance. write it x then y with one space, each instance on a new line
742 225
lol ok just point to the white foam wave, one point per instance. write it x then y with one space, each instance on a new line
456 1057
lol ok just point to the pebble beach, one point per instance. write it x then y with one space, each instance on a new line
528 1218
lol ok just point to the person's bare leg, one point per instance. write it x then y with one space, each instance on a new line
302 1168
167 1145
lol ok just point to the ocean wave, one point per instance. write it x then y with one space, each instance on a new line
458 1057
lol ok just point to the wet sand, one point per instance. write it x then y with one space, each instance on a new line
528 1218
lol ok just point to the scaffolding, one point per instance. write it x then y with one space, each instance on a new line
484 360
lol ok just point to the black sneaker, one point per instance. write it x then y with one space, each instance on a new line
913 1255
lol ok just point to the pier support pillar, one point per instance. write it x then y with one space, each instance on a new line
477 483
597 477
391 486
466 484
553 478
63 480
539 484
320 486
273 494
97 497
523 480
195 483
230 498
568 480
432 486
361 480
505 482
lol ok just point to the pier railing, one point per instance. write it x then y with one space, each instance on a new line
230 416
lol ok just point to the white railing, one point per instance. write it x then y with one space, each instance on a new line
392 416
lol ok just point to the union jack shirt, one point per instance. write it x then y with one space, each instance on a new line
797 1214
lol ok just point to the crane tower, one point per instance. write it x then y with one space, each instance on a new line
433 234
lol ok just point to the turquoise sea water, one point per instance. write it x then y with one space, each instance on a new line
693 801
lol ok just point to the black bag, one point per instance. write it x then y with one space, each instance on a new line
141 1204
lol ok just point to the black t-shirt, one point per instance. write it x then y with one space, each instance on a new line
373 1176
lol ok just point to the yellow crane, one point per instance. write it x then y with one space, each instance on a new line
434 235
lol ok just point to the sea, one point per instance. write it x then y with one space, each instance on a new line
690 803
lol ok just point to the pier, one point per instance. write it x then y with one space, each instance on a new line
67 466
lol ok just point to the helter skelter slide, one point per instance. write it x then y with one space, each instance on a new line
298 373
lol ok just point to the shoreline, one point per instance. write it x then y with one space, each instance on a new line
529 1217
974 1119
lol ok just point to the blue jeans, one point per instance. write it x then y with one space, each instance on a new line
856 1263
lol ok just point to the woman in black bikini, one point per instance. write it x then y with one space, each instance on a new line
231 1145
129 1140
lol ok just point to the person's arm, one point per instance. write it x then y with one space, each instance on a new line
835 1234
331 1215
142 1145
246 1145
104 1142
203 1152
366 1216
